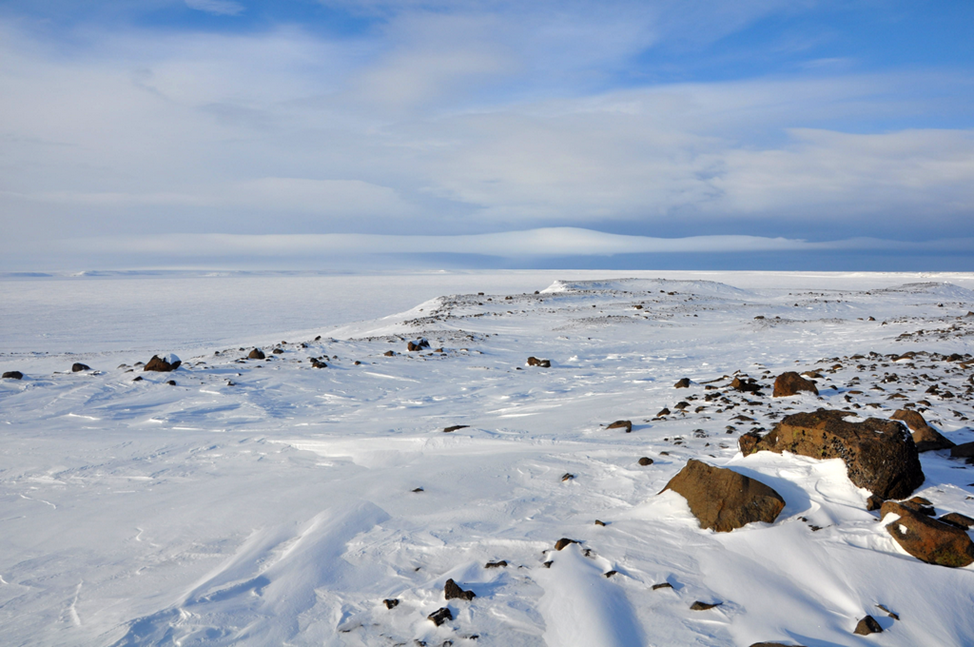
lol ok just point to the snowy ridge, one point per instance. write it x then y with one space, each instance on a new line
269 501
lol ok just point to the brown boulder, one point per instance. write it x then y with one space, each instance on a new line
452 591
791 383
440 616
866 626
962 451
748 385
929 540
543 363
722 499
256 354
926 437
879 454
13 375
621 424
77 367
162 365
682 383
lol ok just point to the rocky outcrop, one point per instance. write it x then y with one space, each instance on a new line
926 437
791 383
722 499
162 364
880 455
927 539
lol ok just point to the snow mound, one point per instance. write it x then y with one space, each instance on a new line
648 286
943 290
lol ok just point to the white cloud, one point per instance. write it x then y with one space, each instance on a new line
217 7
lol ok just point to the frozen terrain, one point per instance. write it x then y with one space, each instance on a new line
269 502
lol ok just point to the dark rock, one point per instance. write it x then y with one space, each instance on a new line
926 437
256 354
440 616
564 541
452 591
417 490
927 539
962 451
682 384
919 504
137 378
599 522
171 382
775 645
162 365
317 363
868 625
791 383
499 564
874 502
77 367
389 353
722 499
880 455
621 424
663 412
610 573
957 519
645 460
419 345
447 430
662 585
703 606
745 386
391 603
543 363
278 351
567 476
13 375
882 607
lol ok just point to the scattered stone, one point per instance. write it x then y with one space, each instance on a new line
162 364
389 353
447 430
567 476
543 363
962 451
919 504
882 607
564 541
171 382
317 363
749 385
682 384
722 499
680 406
880 455
13 375
610 573
599 522
663 412
278 351
662 585
499 564
957 519
929 540
791 383
926 437
868 625
417 490
256 354
775 645
440 616
137 378
703 606
645 460
77 367
621 424
452 591
391 603
419 345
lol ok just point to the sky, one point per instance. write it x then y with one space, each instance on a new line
323 134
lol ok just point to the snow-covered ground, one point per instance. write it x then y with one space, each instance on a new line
268 502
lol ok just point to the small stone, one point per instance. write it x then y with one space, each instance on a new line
391 603
703 606
621 424
499 564
389 353
13 375
137 378
645 460
452 591
662 585
882 607
683 383
543 363
610 573
278 351
663 412
419 489
567 476
77 367
440 616
171 382
447 430
564 541
868 625
256 354
599 522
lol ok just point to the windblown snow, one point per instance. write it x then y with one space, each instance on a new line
281 501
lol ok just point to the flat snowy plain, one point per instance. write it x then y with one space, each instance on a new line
268 502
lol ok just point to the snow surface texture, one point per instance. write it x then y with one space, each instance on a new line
268 502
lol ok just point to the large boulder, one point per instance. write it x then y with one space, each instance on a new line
722 499
963 451
13 375
791 383
928 539
163 364
926 437
879 455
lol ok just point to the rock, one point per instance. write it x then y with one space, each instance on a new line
682 384
962 451
919 504
926 437
564 541
419 345
498 564
722 499
868 625
929 540
440 616
447 430
278 351
567 476
452 591
171 382
663 412
543 363
621 424
162 364
745 386
645 460
791 383
13 375
957 519
316 363
77 367
703 606
662 585
610 573
137 378
256 354
389 353
874 502
391 603
880 455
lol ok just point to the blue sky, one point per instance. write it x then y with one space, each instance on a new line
757 133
